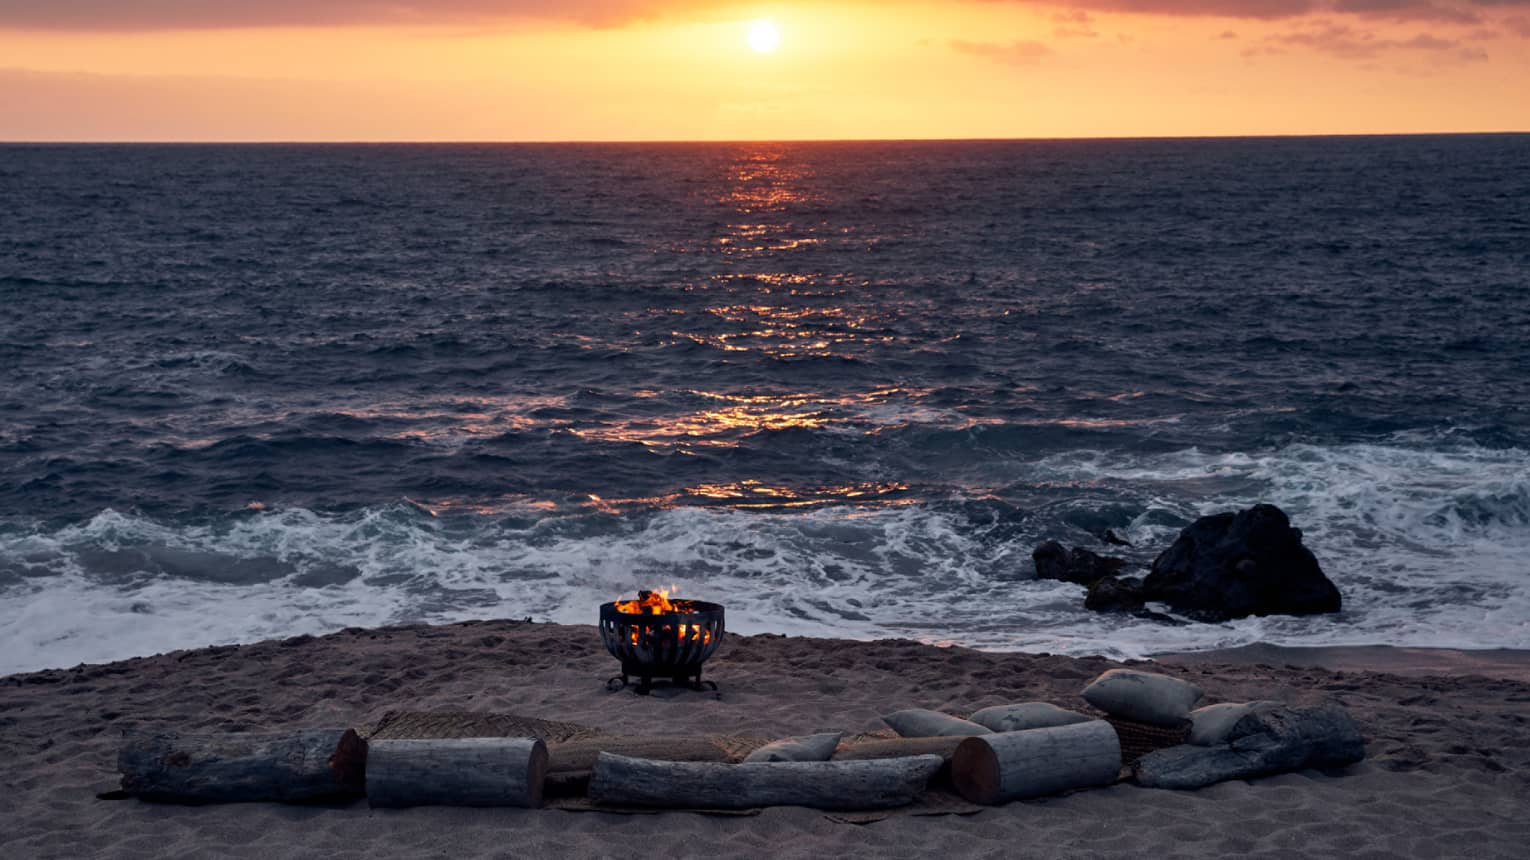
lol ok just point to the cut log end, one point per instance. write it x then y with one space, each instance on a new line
349 762
536 775
975 771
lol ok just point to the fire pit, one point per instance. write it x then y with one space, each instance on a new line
656 637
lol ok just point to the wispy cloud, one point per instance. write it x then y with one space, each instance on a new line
1017 53
1349 43
1410 10
135 15
143 15
1074 24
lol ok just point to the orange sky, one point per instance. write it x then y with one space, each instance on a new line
683 70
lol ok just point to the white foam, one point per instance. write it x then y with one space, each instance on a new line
1426 545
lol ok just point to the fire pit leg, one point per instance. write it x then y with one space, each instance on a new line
645 683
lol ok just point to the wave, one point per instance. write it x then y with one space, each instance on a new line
1426 545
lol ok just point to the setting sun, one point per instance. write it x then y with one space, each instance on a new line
764 36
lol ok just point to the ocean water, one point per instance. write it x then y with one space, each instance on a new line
258 391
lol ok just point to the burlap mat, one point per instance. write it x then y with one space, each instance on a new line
400 725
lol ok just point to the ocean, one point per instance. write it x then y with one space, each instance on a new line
843 388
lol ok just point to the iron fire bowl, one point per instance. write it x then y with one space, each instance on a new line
672 645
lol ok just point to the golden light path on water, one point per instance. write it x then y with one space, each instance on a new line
798 314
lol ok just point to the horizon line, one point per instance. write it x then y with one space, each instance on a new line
738 141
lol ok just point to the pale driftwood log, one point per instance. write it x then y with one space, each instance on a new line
569 763
457 772
1012 765
579 755
319 764
945 747
879 784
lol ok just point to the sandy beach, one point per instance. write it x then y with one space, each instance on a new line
1447 772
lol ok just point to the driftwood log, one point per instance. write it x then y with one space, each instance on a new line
569 763
878 784
1012 765
320 764
945 747
457 772
579 755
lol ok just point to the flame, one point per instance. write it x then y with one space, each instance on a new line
650 603
658 602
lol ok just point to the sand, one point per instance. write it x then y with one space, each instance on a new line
1447 773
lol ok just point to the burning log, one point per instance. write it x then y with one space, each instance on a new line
880 784
1005 766
457 772
320 764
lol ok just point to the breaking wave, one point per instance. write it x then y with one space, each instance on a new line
1426 545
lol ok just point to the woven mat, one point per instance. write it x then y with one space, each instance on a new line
1139 739
398 725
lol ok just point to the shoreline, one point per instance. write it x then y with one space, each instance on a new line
1407 660
1504 663
1447 766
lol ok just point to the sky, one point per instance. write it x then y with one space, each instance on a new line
555 70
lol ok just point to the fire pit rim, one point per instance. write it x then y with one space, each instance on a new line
700 607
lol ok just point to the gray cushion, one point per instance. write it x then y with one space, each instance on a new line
1029 715
804 748
920 723
1143 696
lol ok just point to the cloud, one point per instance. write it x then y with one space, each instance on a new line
145 15
1017 53
1449 11
1518 26
1408 10
1074 25
1348 43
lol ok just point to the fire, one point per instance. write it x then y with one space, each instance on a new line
651 603
659 603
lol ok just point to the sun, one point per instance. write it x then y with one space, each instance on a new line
764 36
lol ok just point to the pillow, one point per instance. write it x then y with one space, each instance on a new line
1211 725
920 723
1143 696
803 748
1030 715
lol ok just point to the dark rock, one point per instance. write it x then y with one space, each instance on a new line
1124 594
1078 565
1115 594
1270 740
1236 565
1114 539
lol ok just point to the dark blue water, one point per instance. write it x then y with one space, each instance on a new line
251 391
